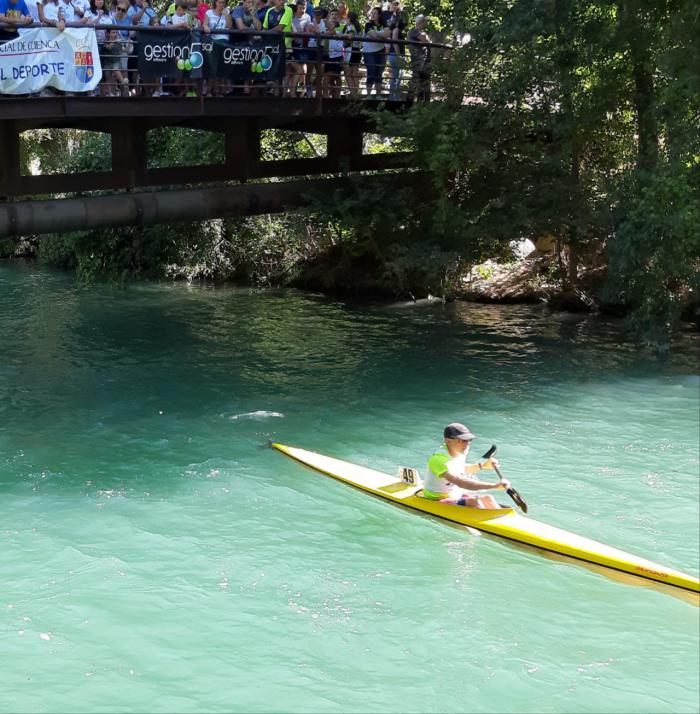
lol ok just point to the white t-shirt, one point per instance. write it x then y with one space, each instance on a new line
97 19
336 47
217 22
50 11
33 9
322 29
83 5
299 23
180 20
68 11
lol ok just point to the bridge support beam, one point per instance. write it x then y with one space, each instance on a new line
9 158
138 209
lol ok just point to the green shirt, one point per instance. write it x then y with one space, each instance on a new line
275 17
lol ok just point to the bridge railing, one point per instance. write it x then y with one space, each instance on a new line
401 72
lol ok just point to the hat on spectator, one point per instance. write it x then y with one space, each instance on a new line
419 18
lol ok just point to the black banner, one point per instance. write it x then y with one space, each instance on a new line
258 58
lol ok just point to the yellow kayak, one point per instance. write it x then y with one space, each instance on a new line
504 522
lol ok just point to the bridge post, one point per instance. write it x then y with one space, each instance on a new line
129 152
242 146
9 158
345 146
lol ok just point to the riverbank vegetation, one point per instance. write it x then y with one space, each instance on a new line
577 121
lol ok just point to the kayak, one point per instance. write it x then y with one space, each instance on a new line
503 522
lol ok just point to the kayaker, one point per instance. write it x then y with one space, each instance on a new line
448 473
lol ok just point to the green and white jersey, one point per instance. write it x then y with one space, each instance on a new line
436 486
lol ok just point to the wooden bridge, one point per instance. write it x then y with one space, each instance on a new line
243 183
128 121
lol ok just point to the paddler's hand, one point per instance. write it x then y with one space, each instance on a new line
505 484
490 464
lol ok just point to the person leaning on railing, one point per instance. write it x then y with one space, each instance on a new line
420 60
300 20
375 52
279 19
397 25
333 66
353 56
313 28
13 12
111 58
217 18
50 14
144 13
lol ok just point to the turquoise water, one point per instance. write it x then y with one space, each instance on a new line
157 557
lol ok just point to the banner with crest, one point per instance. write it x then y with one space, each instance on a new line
46 57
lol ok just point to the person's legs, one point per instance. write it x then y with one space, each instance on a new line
381 63
394 75
371 64
488 502
351 79
471 500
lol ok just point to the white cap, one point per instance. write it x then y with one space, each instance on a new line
419 18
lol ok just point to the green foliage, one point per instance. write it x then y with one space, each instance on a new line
180 146
654 253
579 118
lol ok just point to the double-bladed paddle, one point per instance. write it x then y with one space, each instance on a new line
517 498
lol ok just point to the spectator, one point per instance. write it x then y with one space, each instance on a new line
33 7
397 51
299 52
279 19
81 7
244 17
181 19
193 14
316 26
122 18
352 54
49 14
97 14
67 10
111 58
13 12
215 20
144 13
375 52
218 18
420 60
262 6
333 66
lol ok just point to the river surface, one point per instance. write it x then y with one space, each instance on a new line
156 556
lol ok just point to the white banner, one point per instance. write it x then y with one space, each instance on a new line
45 57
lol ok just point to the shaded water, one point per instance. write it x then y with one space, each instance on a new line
156 557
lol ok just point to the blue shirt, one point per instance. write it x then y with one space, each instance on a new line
146 17
261 13
126 20
14 10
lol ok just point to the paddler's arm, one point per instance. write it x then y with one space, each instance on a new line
475 484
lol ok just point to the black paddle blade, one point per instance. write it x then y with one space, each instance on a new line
490 452
517 499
